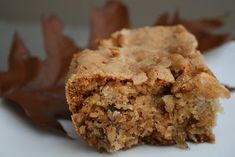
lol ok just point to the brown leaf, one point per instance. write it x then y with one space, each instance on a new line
106 20
200 28
230 88
36 85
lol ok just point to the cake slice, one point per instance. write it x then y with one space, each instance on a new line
143 86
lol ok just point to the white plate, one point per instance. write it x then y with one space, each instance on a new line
19 138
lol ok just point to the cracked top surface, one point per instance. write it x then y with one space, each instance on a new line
149 55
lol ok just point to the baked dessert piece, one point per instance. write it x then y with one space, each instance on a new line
148 85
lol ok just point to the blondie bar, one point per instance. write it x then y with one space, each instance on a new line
143 86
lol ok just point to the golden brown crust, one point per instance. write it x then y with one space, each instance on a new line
148 85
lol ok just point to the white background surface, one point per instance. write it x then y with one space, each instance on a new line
18 138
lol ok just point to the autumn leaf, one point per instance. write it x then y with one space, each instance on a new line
230 88
38 85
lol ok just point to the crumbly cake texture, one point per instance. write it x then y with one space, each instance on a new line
143 86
